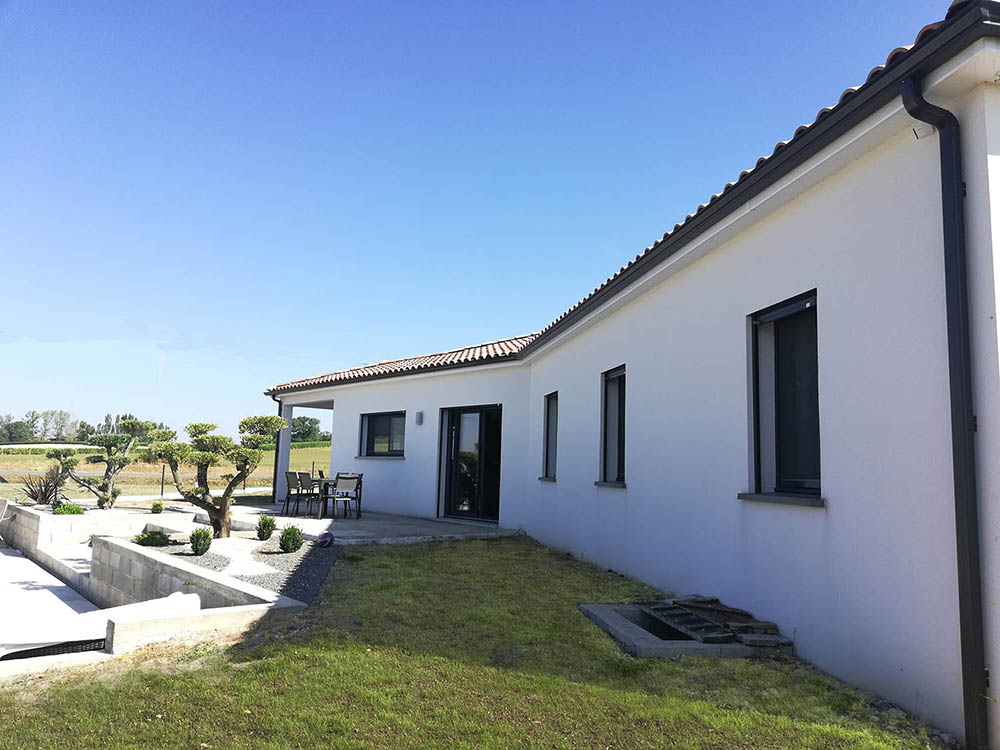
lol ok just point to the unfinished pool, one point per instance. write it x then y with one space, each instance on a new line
82 587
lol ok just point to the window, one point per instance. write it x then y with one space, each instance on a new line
786 398
551 435
382 434
613 427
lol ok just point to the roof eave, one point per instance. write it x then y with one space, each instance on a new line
275 392
980 20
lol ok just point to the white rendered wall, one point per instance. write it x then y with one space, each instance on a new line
866 586
979 114
282 445
410 485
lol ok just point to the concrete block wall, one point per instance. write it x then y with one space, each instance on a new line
124 573
21 528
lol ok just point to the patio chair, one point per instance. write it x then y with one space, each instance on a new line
309 488
292 480
326 493
347 487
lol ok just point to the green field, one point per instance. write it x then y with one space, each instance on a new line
467 644
11 466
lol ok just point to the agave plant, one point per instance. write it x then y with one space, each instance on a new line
46 489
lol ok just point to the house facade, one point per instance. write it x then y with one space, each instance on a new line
791 401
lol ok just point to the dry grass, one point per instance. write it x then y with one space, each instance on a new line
12 466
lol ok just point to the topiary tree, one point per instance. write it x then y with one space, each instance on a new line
117 447
206 450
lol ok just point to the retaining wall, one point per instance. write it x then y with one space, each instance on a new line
123 573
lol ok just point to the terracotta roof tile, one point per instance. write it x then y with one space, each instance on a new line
491 351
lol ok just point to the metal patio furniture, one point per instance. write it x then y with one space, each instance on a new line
292 480
309 489
347 488
326 494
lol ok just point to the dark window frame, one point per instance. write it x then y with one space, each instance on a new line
785 309
367 437
615 375
550 437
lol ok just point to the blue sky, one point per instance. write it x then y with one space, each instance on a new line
202 199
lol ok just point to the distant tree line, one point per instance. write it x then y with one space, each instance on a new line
58 425
306 429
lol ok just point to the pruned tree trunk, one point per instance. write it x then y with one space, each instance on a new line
221 524
201 497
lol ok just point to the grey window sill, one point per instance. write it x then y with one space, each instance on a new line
613 485
546 479
380 458
783 498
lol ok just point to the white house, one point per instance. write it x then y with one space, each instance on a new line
790 401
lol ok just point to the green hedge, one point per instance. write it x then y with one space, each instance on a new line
43 451
92 449
303 444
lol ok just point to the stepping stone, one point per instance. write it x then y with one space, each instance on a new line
763 640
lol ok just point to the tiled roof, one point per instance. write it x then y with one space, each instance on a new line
492 351
895 58
672 240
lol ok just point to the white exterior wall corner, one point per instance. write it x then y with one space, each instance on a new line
410 486
979 114
867 586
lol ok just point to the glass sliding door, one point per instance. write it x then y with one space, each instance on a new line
472 463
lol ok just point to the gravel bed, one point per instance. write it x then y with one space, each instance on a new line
297 574
209 560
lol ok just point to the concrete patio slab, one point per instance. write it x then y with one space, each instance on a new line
27 589
374 528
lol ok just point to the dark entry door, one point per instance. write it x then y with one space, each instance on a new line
472 487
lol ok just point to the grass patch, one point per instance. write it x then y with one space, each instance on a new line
475 644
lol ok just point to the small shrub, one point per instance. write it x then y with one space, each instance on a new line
265 527
157 507
45 490
152 539
291 539
201 540
68 509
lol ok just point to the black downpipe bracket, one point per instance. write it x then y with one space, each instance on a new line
975 677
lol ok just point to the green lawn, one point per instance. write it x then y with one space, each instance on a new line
467 644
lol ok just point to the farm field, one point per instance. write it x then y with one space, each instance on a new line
12 468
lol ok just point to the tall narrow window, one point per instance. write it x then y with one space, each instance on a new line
613 443
786 397
382 434
551 435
